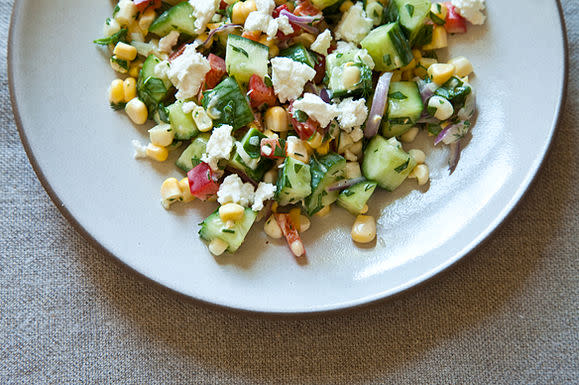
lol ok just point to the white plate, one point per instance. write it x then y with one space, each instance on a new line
82 152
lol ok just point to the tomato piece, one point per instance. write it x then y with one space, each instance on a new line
320 68
305 8
259 93
273 148
291 234
202 181
223 5
178 52
142 5
455 23
305 129
280 35
251 35
216 73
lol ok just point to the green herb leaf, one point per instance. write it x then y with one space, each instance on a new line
397 95
410 9
300 116
118 106
113 39
387 59
240 50
402 167
228 231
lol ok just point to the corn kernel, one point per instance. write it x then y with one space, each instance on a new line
241 10
353 170
129 89
364 209
161 135
305 224
439 39
439 10
170 192
462 66
231 212
396 76
324 211
272 228
440 73
418 155
135 68
316 140
324 148
417 54
185 190
147 19
346 5
158 153
409 135
296 148
276 119
125 51
201 119
364 229
137 111
443 108
410 66
350 77
305 38
421 173
116 92
218 246
119 65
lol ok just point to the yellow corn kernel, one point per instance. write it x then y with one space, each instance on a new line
305 224
439 10
135 68
353 170
129 89
185 190
276 119
118 65
270 43
116 92
295 215
201 119
241 10
161 135
231 212
297 149
324 148
364 209
324 211
439 39
272 229
316 140
125 51
417 54
274 207
423 65
351 76
137 111
147 19
410 66
170 192
462 66
364 229
409 135
158 153
440 73
346 5
305 38
407 75
218 246
396 76
418 155
421 173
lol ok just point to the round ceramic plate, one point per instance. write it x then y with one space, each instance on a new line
81 151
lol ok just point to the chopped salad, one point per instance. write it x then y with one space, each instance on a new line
279 109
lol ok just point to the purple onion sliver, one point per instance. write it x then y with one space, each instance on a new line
305 22
325 95
223 28
445 131
345 183
378 105
244 177
455 149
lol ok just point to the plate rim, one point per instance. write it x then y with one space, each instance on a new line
349 306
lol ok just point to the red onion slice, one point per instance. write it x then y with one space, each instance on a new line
345 183
223 28
378 105
305 22
455 149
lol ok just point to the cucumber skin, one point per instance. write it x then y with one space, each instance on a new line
165 23
182 123
212 227
355 198
295 180
146 75
226 93
300 54
241 67
320 170
381 158
410 108
191 156
262 167
414 27
388 40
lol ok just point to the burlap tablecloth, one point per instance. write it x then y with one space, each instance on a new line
508 313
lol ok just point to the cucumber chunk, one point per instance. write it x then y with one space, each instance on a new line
336 64
213 227
245 57
178 18
226 104
412 16
191 156
300 54
150 89
388 47
387 163
325 171
404 108
355 198
251 162
294 182
182 123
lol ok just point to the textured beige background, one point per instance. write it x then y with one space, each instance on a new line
508 313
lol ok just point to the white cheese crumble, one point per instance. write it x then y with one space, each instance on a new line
289 77
322 43
264 192
233 190
262 22
188 107
167 43
471 10
357 134
284 25
188 71
203 11
316 108
219 146
265 6
354 25
352 113
140 150
127 12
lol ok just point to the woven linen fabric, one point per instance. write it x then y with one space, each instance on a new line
506 314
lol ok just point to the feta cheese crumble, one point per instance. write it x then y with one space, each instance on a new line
289 77
354 25
203 11
189 107
140 150
167 43
233 190
352 113
262 22
322 43
219 146
188 71
264 192
316 108
471 10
